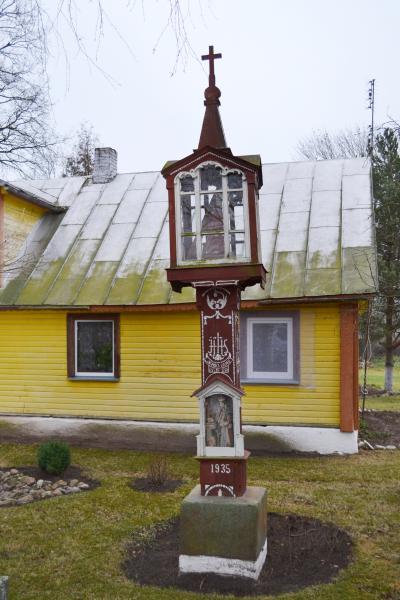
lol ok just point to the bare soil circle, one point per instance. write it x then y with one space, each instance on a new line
301 552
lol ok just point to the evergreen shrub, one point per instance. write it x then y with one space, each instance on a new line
54 457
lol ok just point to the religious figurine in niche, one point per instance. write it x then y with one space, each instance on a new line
219 421
189 248
213 226
210 432
224 423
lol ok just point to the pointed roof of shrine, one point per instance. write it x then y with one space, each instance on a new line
212 131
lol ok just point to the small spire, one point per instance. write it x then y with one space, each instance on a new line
212 132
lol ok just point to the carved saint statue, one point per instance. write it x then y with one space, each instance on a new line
219 421
224 423
213 225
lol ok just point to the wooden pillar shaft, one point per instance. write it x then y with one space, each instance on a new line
219 321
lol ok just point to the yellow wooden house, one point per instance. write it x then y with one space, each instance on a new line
89 326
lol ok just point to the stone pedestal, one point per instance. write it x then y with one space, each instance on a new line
224 535
3 588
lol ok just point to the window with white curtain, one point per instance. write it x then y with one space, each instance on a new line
269 348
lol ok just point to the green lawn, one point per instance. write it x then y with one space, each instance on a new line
375 377
383 402
72 547
376 374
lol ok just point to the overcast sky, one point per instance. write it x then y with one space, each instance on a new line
289 67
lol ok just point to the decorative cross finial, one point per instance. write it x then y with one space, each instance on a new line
211 57
212 132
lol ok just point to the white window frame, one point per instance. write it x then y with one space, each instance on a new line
273 375
93 373
195 173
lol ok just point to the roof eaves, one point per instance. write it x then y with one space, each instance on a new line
33 198
316 299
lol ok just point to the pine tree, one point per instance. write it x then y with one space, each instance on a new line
386 178
80 161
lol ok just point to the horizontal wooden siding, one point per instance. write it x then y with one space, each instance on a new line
160 354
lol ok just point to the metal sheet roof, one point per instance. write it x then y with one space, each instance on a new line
112 245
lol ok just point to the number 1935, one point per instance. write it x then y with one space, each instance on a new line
220 468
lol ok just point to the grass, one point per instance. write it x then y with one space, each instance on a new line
72 547
376 377
376 374
383 402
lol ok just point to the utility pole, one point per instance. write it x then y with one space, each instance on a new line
371 107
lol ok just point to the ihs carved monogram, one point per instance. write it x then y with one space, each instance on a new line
218 357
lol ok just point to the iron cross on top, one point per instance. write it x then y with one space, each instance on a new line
211 57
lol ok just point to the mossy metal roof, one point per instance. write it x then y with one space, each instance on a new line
32 195
111 246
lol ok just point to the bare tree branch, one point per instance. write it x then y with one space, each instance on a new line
27 144
322 145
176 24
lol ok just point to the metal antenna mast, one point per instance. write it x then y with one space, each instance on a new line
371 107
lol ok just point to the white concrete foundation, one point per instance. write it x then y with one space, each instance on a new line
146 434
323 440
223 566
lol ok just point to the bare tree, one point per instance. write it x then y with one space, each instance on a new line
80 160
27 143
180 14
346 143
26 140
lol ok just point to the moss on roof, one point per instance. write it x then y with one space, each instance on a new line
316 228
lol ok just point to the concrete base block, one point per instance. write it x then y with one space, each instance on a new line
224 535
3 588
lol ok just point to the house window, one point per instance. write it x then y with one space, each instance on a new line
270 348
212 215
93 347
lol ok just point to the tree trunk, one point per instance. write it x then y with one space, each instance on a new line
389 344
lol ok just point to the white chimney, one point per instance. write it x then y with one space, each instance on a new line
105 165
